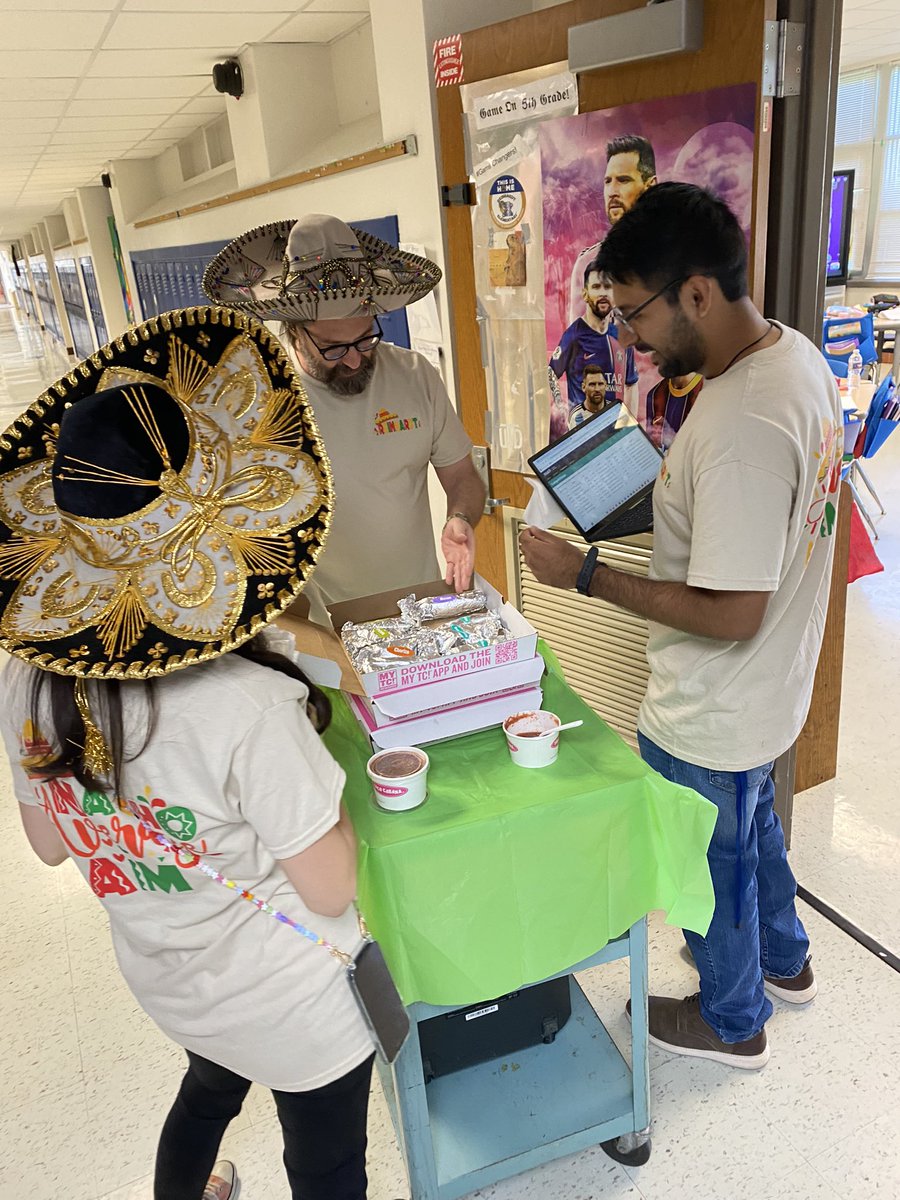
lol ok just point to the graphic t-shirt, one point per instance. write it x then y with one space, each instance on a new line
233 772
746 501
580 345
666 407
380 444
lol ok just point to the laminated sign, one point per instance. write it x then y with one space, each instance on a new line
448 60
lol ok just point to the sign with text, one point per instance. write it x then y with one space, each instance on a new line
543 98
448 61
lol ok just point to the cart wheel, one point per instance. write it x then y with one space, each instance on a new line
631 1150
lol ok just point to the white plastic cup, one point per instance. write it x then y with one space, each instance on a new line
530 738
399 777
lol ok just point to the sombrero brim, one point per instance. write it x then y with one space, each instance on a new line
97 614
250 275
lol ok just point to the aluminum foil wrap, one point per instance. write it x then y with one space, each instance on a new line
474 631
435 608
375 645
393 641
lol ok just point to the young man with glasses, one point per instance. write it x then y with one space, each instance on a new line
744 511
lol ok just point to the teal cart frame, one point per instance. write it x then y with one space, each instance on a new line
470 1129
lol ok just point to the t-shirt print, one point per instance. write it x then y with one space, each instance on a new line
820 516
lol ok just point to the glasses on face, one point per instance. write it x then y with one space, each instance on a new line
621 319
341 349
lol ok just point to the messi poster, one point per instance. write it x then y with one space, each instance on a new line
593 168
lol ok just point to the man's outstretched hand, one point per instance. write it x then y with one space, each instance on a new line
458 549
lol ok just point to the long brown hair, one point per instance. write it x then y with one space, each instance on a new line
57 692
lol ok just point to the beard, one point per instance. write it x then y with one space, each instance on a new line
684 356
337 378
600 308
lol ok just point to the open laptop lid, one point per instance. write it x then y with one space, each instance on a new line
597 472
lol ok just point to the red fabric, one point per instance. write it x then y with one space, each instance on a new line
862 559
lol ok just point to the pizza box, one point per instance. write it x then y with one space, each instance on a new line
484 712
321 654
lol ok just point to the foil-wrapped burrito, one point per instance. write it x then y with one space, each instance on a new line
434 608
379 645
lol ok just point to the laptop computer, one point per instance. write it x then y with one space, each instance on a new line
602 476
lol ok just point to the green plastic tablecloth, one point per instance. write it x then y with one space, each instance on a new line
506 875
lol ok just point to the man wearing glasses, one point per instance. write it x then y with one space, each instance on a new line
384 416
744 510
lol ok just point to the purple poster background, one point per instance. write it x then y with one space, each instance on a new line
705 138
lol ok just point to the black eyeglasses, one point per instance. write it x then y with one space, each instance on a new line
363 345
620 318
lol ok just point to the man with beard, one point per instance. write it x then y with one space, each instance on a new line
590 340
595 395
744 509
630 170
383 412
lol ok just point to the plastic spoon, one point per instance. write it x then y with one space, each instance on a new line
560 728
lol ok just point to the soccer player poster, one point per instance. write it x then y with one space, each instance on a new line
594 166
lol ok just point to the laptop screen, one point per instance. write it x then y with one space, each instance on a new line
597 469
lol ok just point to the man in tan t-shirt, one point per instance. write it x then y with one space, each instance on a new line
383 412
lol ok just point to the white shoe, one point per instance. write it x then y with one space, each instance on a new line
223 1184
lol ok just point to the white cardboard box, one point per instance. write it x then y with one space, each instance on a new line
449 679
419 730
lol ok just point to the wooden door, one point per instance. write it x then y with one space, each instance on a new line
733 53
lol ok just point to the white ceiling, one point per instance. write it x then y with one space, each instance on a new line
871 32
86 81
83 82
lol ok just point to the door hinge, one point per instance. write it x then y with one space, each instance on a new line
783 58
458 193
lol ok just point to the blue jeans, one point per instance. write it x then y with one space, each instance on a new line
755 929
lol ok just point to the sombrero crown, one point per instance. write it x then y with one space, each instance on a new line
313 269
161 503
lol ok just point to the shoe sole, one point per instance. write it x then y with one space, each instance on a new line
744 1062
792 997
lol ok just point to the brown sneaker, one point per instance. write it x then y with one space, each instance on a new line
798 990
677 1026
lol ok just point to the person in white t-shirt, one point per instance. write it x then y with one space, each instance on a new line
383 411
158 508
744 512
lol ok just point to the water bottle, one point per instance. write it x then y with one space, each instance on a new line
854 373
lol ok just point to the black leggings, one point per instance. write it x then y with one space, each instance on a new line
324 1133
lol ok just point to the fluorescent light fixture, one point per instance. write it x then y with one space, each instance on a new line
669 27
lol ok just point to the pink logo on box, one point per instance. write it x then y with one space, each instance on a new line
387 680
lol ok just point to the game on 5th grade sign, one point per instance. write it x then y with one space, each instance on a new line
448 61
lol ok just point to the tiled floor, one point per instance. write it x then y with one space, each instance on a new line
86 1078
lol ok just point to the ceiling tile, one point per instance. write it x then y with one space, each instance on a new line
100 124
52 30
31 140
58 6
140 31
212 7
354 6
128 63
144 86
316 27
93 139
123 108
35 89
44 64
32 108
208 106
26 124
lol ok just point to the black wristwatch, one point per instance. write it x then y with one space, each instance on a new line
586 574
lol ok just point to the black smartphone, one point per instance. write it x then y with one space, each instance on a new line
379 1001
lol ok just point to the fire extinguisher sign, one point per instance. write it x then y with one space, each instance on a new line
448 61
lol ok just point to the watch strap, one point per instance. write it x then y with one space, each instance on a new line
586 574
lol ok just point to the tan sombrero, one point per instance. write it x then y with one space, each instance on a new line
316 269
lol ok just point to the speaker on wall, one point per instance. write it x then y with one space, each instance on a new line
228 78
106 180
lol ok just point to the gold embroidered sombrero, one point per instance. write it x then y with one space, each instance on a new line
313 269
162 502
